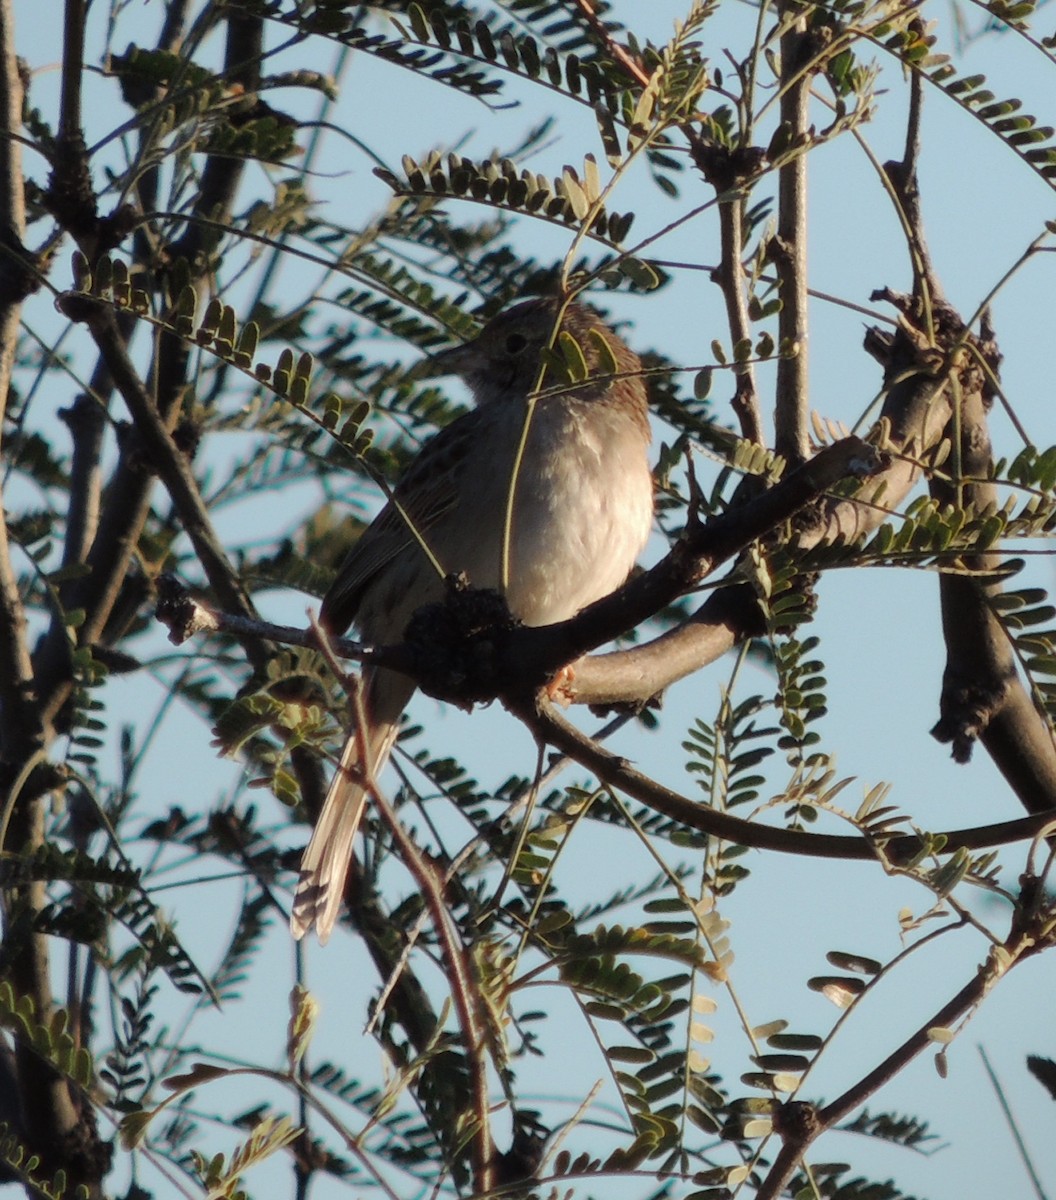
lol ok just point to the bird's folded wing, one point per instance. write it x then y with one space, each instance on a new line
428 491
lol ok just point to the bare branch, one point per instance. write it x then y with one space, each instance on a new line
810 1123
792 401
903 179
983 697
730 173
55 1127
540 716
728 616
730 277
165 456
1029 935
695 556
16 674
444 656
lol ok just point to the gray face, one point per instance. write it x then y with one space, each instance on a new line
504 358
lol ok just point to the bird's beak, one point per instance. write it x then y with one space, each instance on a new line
455 360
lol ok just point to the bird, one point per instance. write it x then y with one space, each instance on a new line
581 514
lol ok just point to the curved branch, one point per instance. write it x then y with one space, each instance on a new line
444 656
729 615
915 414
549 726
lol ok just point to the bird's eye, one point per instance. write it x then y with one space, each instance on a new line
515 343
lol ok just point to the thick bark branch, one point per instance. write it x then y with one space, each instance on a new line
55 1128
499 657
694 556
915 414
729 615
983 697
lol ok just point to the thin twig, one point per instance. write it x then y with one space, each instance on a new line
1013 1125
820 1120
622 57
167 460
792 401
460 978
730 277
614 770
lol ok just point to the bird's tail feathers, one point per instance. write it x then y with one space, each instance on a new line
324 867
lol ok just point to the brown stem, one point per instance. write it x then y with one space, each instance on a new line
463 989
916 411
100 536
791 406
187 618
694 556
166 458
631 66
549 726
729 615
128 494
72 68
983 697
52 1119
903 178
806 1132
530 656
70 195
730 278
220 181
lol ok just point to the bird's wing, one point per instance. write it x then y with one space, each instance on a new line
428 490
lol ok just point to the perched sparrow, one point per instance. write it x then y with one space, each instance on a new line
583 504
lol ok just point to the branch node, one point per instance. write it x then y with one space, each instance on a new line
797 1123
455 643
967 709
179 612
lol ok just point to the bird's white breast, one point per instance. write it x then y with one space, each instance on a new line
581 515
